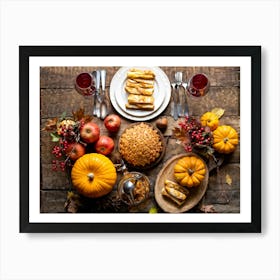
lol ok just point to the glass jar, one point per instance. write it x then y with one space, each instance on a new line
140 191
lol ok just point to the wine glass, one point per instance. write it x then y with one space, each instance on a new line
84 84
198 85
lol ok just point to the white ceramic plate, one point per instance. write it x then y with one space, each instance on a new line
118 95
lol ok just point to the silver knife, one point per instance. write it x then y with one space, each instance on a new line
97 86
178 80
179 104
173 110
186 106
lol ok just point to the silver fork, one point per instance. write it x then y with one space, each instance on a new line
173 111
183 108
178 81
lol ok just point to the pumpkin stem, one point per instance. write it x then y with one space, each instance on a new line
226 139
90 176
190 171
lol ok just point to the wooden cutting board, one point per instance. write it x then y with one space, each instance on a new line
196 193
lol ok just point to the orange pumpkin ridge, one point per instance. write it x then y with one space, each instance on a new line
94 175
225 139
189 171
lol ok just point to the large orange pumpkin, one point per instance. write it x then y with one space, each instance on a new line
94 175
225 139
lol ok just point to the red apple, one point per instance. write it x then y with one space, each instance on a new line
104 145
90 132
75 150
112 122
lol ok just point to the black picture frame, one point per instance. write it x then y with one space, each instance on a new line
254 52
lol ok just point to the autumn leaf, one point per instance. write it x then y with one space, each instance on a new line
208 208
219 112
55 137
72 202
50 124
228 180
80 114
180 135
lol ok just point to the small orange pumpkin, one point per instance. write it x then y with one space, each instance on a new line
225 139
209 119
94 175
189 171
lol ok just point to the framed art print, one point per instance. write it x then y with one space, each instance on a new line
140 138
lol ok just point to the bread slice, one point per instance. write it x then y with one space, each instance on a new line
146 107
140 99
141 84
139 90
175 192
140 71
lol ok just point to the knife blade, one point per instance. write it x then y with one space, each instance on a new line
173 109
97 106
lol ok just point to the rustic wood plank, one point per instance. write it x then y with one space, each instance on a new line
228 202
52 201
64 77
227 208
53 179
218 76
222 97
218 183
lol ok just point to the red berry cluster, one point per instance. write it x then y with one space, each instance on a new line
58 165
198 136
67 132
60 150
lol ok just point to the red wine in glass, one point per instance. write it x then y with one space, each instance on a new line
198 85
84 84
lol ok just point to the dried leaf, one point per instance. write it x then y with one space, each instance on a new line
228 180
207 209
80 114
180 135
72 203
215 162
219 112
50 124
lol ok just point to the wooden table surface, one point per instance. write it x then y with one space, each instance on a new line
58 95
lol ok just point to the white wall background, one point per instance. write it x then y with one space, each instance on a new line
148 256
